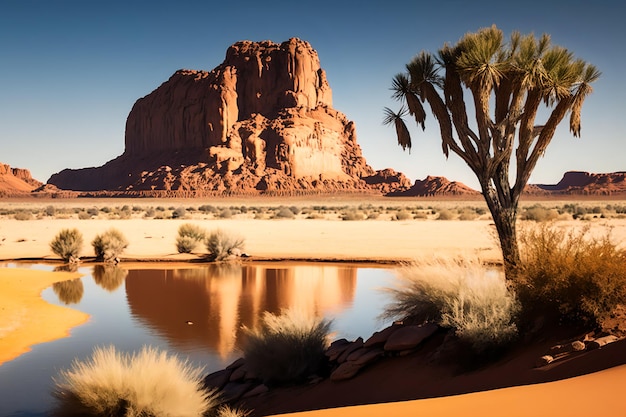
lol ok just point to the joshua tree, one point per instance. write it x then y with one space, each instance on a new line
514 78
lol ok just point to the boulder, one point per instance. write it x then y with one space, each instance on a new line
409 337
345 371
357 344
380 338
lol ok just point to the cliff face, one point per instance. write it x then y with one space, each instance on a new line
261 121
16 180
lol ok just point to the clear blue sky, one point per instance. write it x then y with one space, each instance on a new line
70 71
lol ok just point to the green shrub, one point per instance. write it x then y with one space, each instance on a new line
67 244
109 245
150 383
222 245
461 294
286 348
570 273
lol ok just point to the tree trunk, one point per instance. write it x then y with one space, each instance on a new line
504 217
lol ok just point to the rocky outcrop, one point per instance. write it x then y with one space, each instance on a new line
16 181
261 122
437 187
584 183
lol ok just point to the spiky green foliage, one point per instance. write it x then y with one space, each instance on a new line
222 245
150 383
67 244
574 274
287 347
109 245
461 294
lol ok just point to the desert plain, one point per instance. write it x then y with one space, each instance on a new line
354 229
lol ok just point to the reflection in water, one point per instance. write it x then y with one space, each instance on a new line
109 277
69 292
219 299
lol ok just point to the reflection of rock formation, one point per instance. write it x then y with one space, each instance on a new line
69 292
219 299
109 277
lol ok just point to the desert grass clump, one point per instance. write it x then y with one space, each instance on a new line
284 213
403 215
67 244
189 236
570 274
286 348
149 383
109 245
539 214
460 294
445 214
223 245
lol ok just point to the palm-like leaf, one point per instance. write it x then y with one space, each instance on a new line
402 132
423 68
480 63
589 75
402 91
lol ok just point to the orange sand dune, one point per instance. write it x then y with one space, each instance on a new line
600 393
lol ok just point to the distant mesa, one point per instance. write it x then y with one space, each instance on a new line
437 187
260 122
585 183
16 181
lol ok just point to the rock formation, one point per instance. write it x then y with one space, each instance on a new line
437 187
16 181
261 122
585 183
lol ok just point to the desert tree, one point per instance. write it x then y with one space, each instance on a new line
508 86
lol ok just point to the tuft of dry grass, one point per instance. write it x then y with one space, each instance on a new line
222 245
462 294
67 244
287 347
149 383
109 245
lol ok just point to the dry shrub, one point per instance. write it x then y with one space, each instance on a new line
222 245
189 236
570 273
462 294
67 244
286 348
446 214
150 383
403 215
539 214
109 245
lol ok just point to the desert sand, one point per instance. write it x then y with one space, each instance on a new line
25 319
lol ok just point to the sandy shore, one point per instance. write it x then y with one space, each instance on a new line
25 319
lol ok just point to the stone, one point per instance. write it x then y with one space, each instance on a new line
345 371
238 373
409 337
601 341
544 360
217 380
233 391
237 363
258 390
365 356
380 337
336 348
357 344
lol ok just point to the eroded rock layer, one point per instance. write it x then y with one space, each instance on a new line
262 121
